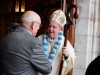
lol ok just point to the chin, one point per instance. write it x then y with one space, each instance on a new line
51 37
34 34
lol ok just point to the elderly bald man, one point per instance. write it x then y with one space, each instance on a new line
21 52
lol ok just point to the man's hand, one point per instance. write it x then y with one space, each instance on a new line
65 51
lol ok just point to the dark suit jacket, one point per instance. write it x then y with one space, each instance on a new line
94 67
22 54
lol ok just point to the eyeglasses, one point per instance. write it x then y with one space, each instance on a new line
38 23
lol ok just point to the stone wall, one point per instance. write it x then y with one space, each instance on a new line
87 35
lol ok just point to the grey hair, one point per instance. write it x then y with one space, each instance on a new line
27 19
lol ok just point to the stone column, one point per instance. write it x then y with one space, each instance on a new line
87 35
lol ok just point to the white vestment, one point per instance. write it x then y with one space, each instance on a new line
57 60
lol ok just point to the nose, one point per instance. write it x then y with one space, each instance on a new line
51 28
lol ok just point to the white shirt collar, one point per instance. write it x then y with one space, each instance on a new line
29 31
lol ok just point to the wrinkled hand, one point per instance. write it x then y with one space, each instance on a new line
65 51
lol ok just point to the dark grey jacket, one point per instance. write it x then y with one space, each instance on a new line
22 54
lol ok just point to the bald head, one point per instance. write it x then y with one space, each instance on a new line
32 21
30 16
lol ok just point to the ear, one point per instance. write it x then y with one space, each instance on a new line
60 28
32 26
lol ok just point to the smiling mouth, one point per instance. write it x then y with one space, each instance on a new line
50 33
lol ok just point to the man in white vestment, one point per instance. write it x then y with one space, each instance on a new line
53 41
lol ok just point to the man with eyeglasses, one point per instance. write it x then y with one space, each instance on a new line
21 52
